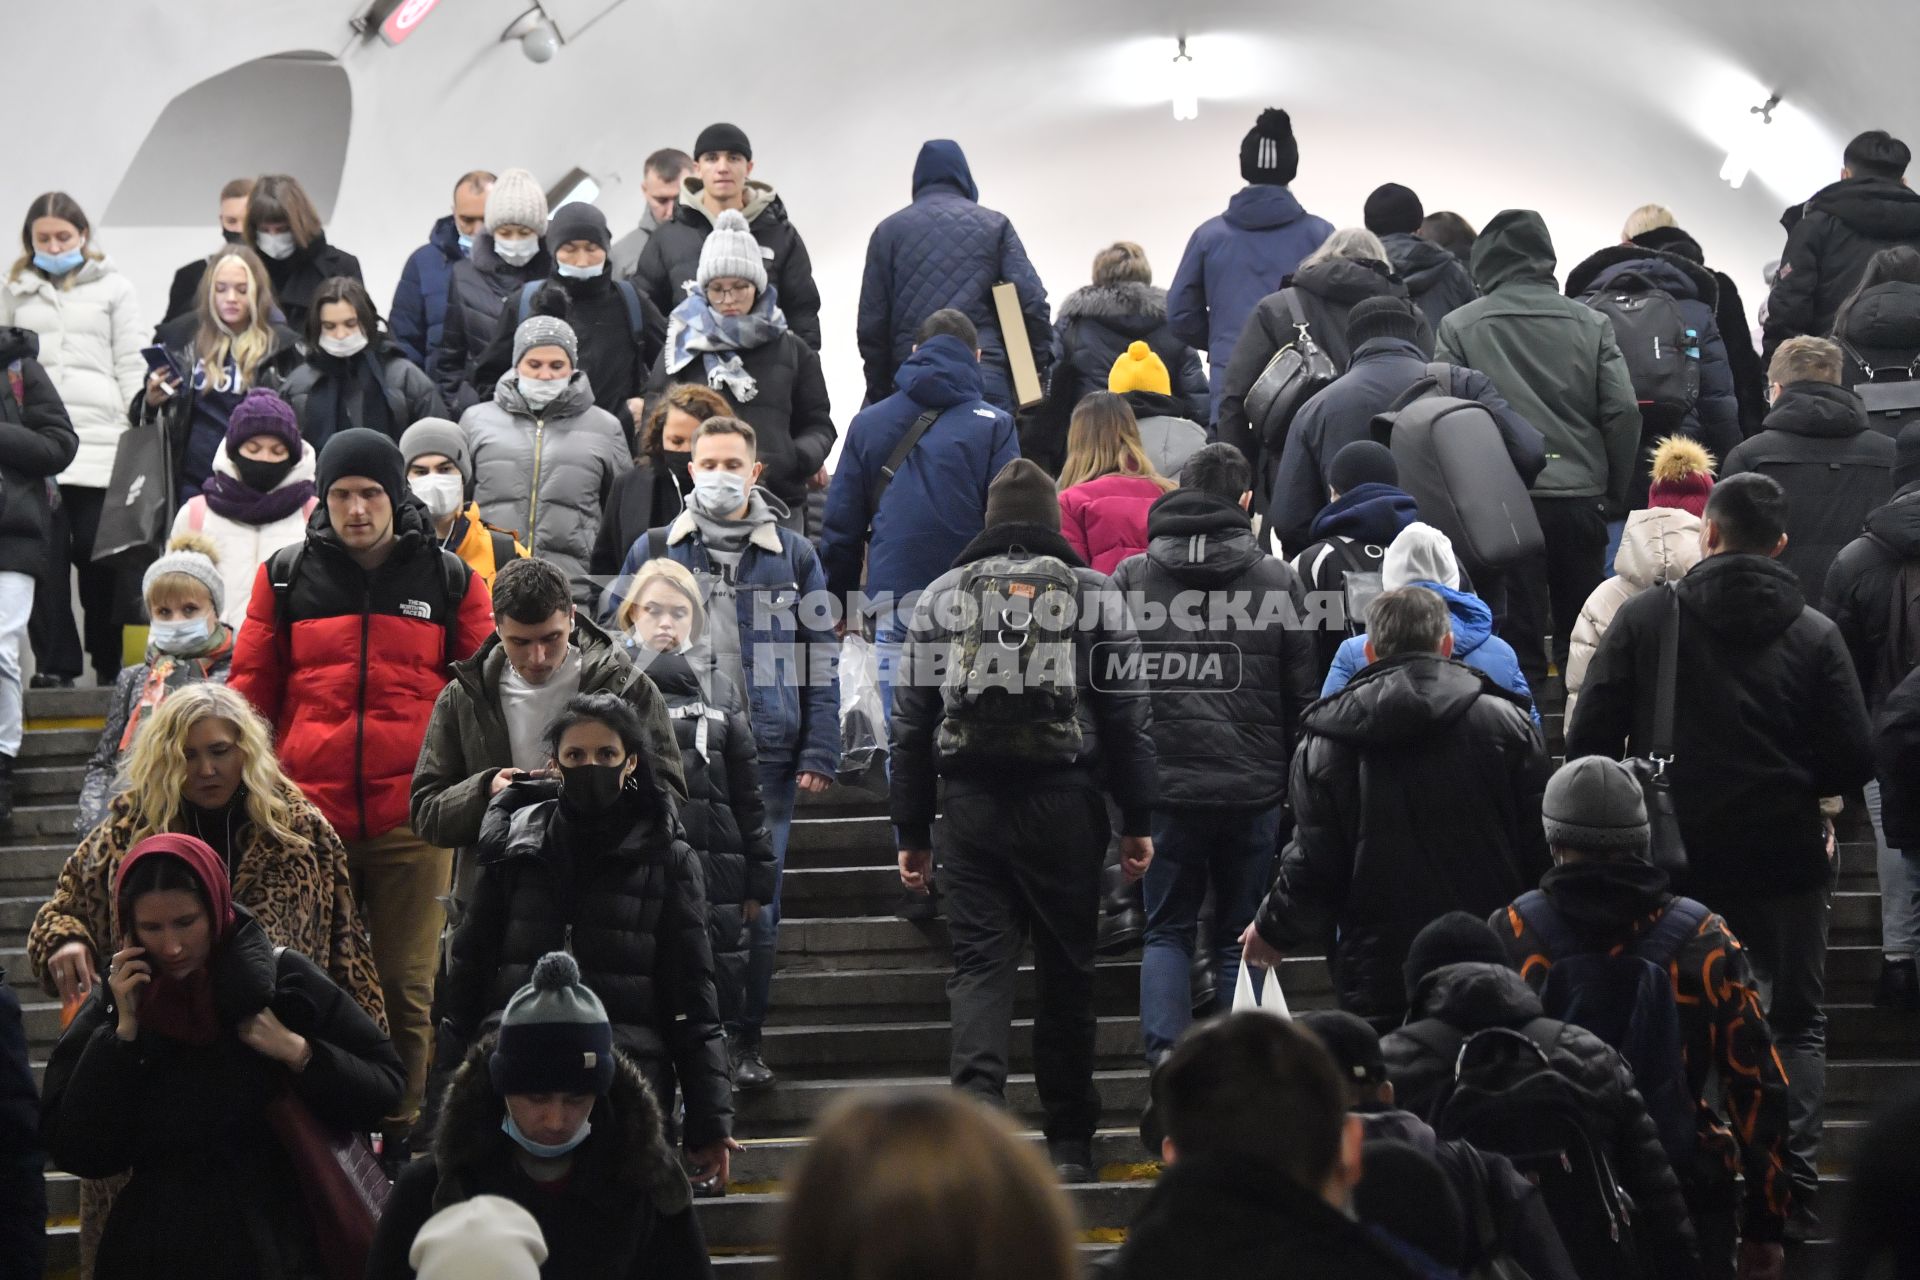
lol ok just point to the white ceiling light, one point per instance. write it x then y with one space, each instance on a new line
538 38
1751 141
1185 84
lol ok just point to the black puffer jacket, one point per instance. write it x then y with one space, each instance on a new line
23 1165
1436 280
37 441
1094 326
791 417
1836 470
626 897
625 1211
296 277
326 387
1829 243
1324 294
477 288
647 497
1736 327
615 357
672 256
1860 588
1767 719
1473 997
1416 791
725 818
1881 330
1896 749
1222 740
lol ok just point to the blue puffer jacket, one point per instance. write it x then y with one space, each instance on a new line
1232 262
1473 643
793 689
937 501
420 301
946 250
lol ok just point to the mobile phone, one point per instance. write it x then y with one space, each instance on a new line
158 357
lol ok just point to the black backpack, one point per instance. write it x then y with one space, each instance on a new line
1358 576
1506 1097
1626 998
1889 392
1900 651
1297 372
1662 351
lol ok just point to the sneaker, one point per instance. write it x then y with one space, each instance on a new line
750 1070
1072 1160
1899 986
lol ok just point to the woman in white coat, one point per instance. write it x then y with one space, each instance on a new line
67 291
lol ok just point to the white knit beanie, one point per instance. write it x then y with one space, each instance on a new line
731 253
517 200
1421 553
194 564
485 1238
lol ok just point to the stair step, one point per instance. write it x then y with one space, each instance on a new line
68 704
36 823
849 1051
753 1221
59 746
29 869
768 1164
793 1106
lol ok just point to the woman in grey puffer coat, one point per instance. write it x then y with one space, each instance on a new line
545 458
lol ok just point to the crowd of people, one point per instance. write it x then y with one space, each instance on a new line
491 642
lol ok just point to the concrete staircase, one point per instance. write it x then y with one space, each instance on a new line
859 1003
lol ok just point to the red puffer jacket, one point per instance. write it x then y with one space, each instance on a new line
349 675
1105 520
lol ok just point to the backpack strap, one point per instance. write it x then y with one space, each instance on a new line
636 319
1537 912
1660 750
454 577
1680 921
527 291
1437 377
283 569
897 459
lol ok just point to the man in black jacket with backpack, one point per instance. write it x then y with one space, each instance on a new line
1051 713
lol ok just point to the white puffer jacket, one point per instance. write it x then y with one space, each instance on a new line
245 547
1658 545
90 339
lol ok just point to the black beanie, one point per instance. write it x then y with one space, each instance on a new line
360 451
1455 938
1268 153
577 220
1023 494
1906 456
554 1035
722 137
1393 209
1384 317
1362 462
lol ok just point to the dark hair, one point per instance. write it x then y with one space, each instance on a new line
599 708
669 163
1898 264
691 398
1407 620
1877 154
530 590
276 197
1252 1085
953 323
161 873
1219 469
1450 231
350 291
478 179
1750 510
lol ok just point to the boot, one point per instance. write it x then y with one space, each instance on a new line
1899 986
6 792
1123 914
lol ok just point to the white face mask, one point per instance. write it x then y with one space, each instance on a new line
275 244
517 253
718 493
541 392
442 494
347 347
571 272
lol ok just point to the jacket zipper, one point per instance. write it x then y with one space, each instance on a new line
360 710
533 498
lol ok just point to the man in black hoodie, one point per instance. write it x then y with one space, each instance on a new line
1436 280
1768 718
1223 730
1831 237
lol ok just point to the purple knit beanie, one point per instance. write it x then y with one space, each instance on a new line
263 413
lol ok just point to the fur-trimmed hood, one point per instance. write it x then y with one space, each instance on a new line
1126 301
1670 271
625 1160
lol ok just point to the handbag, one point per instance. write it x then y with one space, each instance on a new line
1296 373
341 1181
1664 845
136 516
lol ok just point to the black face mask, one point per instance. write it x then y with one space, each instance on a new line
590 789
262 477
679 464
233 237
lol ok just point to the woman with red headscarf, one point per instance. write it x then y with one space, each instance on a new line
169 1070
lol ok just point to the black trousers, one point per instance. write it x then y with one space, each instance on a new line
1545 596
1013 866
56 642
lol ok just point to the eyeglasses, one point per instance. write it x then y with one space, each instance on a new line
723 292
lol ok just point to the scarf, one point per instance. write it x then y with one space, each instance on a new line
696 327
730 536
328 406
229 497
160 669
182 1008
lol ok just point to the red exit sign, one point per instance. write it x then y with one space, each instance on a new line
402 21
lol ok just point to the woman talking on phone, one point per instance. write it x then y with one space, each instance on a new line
175 1066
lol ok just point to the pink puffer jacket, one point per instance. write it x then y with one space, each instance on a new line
1106 519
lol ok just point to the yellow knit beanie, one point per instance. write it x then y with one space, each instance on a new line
1138 369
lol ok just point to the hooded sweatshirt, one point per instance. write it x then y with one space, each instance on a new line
1659 544
1437 281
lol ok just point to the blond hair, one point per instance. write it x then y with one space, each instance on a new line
675 575
246 349
154 775
1104 439
1122 262
171 588
1648 217
1805 359
924 1186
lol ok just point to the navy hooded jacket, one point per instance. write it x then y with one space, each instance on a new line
946 250
420 301
937 502
1231 262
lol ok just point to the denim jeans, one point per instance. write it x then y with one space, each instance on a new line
1899 871
779 786
1192 847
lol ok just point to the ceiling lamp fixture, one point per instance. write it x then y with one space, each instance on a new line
538 37
1186 85
1752 135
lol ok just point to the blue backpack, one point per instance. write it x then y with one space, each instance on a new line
1626 999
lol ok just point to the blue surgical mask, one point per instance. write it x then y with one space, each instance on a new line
184 635
540 1149
58 264
466 244
718 493
580 273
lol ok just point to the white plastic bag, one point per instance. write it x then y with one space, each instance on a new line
1272 1000
863 721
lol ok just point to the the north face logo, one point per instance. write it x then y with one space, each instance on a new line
983 413
416 609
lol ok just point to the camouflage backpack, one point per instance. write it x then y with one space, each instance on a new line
1009 693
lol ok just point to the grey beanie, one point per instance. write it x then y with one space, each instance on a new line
1595 805
197 565
731 253
517 201
554 1035
437 435
545 331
